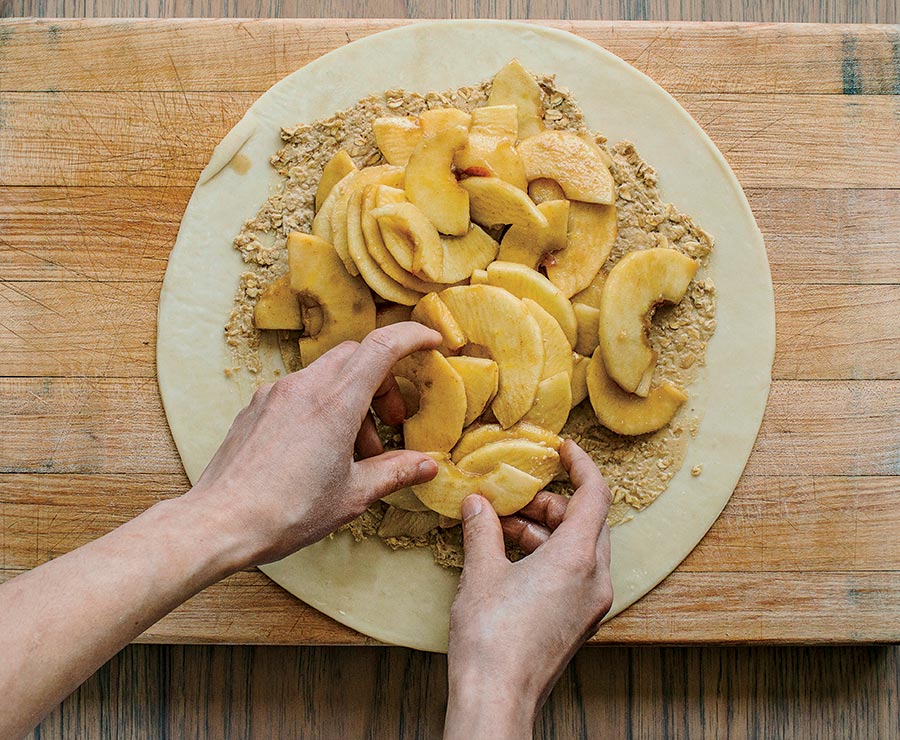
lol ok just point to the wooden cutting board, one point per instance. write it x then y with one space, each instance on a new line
104 128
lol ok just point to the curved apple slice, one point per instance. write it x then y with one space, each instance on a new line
396 137
485 434
624 413
590 296
465 254
370 271
339 166
531 457
530 246
436 120
507 488
557 350
431 184
496 121
552 403
433 312
514 85
490 156
494 202
406 500
517 348
544 189
588 319
411 239
319 279
579 378
575 164
481 378
591 234
636 284
277 307
523 282
438 423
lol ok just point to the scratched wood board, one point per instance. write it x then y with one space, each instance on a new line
104 128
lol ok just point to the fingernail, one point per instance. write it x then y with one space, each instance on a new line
471 506
427 468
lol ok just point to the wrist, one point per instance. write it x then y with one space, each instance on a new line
480 706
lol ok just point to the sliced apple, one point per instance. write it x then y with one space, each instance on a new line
544 189
431 184
398 522
482 379
523 282
557 350
438 423
494 202
485 434
440 119
514 85
411 239
531 457
507 488
591 234
637 283
579 378
479 277
588 319
552 403
406 500
370 271
590 296
319 279
489 157
497 121
390 313
337 168
465 254
277 307
624 413
396 137
433 312
572 162
533 246
497 321
321 225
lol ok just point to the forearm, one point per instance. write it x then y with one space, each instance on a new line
484 709
63 620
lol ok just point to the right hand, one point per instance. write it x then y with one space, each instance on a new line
515 626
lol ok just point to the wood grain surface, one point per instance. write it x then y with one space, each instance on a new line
100 146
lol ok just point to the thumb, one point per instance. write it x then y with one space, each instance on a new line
482 533
378 476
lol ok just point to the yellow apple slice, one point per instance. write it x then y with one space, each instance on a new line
557 350
590 296
496 121
390 313
431 184
437 120
479 277
319 279
370 271
411 239
579 378
572 162
485 434
465 254
637 283
433 312
489 157
382 195
523 282
406 500
494 202
588 319
533 246
277 307
507 488
396 137
497 321
591 234
337 168
552 403
624 413
482 379
438 423
531 457
543 189
514 85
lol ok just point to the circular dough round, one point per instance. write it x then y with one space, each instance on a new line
403 597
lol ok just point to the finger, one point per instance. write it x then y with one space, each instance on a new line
482 533
546 508
589 504
603 548
378 476
379 352
335 358
368 443
388 403
525 533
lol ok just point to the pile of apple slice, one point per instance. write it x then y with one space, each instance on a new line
493 231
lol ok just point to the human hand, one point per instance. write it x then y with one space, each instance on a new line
515 626
285 476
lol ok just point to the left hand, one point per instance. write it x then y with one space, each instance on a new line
285 476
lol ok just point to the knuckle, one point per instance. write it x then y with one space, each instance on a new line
382 341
